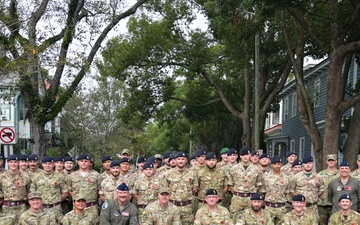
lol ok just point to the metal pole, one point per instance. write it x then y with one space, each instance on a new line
256 90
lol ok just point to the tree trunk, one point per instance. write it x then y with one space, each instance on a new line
37 134
352 146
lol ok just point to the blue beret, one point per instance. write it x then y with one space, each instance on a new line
297 162
210 155
255 153
106 158
344 196
83 157
276 159
193 156
59 159
299 198
68 159
265 155
12 157
33 157
115 163
166 154
344 163
200 152
211 192
289 153
232 151
181 154
123 187
124 159
307 159
23 158
47 159
245 150
256 197
148 165
141 159
171 157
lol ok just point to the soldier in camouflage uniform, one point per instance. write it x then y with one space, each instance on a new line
264 163
299 216
276 185
67 205
291 157
162 170
78 216
212 213
106 160
23 164
345 216
68 165
172 160
14 186
126 176
255 157
182 183
200 159
59 164
193 160
309 184
2 170
245 179
126 154
140 172
86 183
52 187
224 157
109 185
232 157
255 215
161 212
34 165
296 168
146 189
356 173
6 220
328 174
211 177
36 214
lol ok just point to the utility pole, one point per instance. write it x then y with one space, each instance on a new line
256 90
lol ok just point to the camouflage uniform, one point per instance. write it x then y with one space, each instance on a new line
44 217
67 205
108 187
33 173
154 214
105 175
286 169
338 218
309 187
245 182
51 186
6 220
180 185
86 186
214 179
221 164
127 178
71 218
276 188
220 216
147 190
308 218
15 188
355 174
247 217
324 205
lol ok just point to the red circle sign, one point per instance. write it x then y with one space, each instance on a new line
7 135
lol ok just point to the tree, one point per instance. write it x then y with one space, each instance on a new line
62 36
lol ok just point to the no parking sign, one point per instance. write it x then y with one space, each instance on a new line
7 135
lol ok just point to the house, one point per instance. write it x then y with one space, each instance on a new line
287 137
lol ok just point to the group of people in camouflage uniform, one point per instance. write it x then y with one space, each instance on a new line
257 189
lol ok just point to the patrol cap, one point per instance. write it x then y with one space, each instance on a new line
276 159
124 159
123 187
166 155
232 151
256 197
200 152
255 153
164 189
68 159
224 151
297 162
171 157
180 154
23 158
193 156
289 153
331 157
151 159
265 155
358 157
210 155
344 163
125 151
211 192
114 163
34 194
47 159
33 157
148 165
141 159
344 196
299 198
106 158
78 197
158 156
245 150
12 157
59 159
307 159
83 157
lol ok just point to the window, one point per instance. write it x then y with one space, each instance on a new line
292 145
275 118
286 108
302 147
294 105
5 110
317 93
22 109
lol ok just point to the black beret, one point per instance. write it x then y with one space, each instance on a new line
106 158
265 155
307 159
211 192
124 159
33 157
1 156
200 152
256 197
245 150
289 153
232 151
12 157
299 198
23 158
47 159
59 159
181 154
344 196
344 163
123 187
193 156
83 157
276 159
148 165
68 159
141 159
166 154
151 159
115 163
210 155
255 153
297 162
171 157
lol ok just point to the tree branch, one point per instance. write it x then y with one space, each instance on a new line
196 105
346 105
354 19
